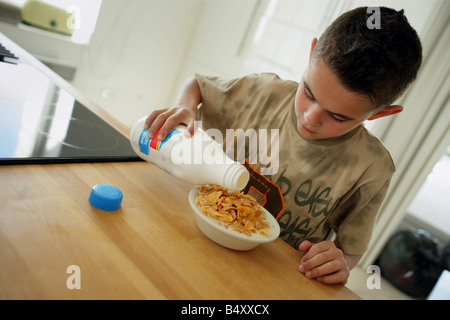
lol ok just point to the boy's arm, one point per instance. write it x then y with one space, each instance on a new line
326 262
184 111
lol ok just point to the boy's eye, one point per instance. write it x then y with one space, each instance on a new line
333 116
336 118
307 95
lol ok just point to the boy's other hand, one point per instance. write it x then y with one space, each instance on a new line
166 119
324 261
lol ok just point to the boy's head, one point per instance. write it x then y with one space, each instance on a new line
372 51
356 72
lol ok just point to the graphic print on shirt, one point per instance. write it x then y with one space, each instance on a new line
315 202
264 191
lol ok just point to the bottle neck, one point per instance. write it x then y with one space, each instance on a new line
236 177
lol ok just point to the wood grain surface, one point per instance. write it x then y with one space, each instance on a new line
151 248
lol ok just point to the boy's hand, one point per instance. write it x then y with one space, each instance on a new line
183 112
167 119
324 261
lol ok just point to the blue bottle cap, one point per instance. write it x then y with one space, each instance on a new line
106 197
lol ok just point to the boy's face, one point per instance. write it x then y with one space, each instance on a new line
324 107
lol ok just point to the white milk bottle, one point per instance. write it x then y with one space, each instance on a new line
198 160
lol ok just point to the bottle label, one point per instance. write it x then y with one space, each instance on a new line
145 143
158 151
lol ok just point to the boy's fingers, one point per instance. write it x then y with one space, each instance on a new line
162 124
151 118
156 127
312 251
324 246
305 246
319 254
154 122
162 133
334 278
315 261
191 128
324 262
321 268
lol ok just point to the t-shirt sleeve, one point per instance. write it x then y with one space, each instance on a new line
243 102
221 100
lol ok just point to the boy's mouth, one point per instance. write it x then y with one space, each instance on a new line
306 129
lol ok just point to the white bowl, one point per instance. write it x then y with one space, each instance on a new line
229 238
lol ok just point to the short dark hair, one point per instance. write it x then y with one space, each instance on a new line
379 62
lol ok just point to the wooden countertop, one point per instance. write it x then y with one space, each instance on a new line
151 248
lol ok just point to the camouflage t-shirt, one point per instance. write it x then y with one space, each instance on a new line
311 187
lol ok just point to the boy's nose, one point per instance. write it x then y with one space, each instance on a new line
313 116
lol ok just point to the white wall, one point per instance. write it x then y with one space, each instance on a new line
217 45
142 50
135 54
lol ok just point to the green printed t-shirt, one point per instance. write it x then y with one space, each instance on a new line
331 184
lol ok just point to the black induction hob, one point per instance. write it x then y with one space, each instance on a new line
42 123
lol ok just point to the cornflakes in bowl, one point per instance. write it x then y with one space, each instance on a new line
232 219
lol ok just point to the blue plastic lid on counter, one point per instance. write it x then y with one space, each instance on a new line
106 197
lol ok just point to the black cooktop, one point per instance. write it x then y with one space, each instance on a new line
43 123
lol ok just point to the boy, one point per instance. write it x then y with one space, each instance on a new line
333 174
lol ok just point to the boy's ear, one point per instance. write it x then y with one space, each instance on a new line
313 44
390 110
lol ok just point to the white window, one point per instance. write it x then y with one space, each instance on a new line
283 36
